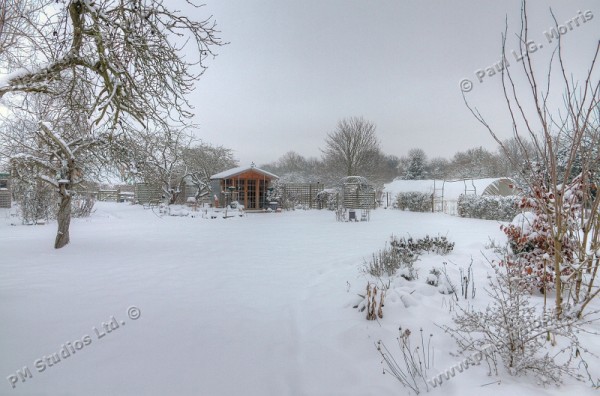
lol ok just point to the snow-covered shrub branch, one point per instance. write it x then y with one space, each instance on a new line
526 344
537 244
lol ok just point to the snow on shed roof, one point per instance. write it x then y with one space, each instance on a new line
452 189
241 169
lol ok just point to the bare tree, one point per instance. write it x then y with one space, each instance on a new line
572 213
53 145
475 163
126 57
516 149
385 168
352 148
157 158
295 168
203 161
438 168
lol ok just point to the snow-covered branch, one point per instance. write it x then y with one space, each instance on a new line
64 147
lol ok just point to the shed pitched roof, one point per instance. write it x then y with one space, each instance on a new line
239 170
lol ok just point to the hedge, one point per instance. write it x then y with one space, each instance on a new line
414 202
488 207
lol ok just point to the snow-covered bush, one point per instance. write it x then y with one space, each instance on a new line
511 324
403 253
437 245
414 202
528 254
36 202
532 236
327 198
407 260
433 278
439 278
488 207
388 261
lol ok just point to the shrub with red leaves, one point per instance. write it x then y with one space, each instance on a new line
533 233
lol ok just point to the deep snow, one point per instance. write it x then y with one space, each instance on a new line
257 305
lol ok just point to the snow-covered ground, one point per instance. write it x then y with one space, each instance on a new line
255 305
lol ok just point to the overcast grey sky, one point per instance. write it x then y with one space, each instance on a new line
294 68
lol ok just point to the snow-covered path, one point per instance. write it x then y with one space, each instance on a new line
259 305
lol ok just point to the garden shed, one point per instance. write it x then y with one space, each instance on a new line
445 193
248 185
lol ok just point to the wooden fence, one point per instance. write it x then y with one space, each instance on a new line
146 193
5 199
304 194
360 200
357 198
107 195
5 194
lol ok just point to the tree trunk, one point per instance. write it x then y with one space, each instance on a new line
64 219
557 274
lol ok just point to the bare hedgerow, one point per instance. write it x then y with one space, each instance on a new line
525 341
